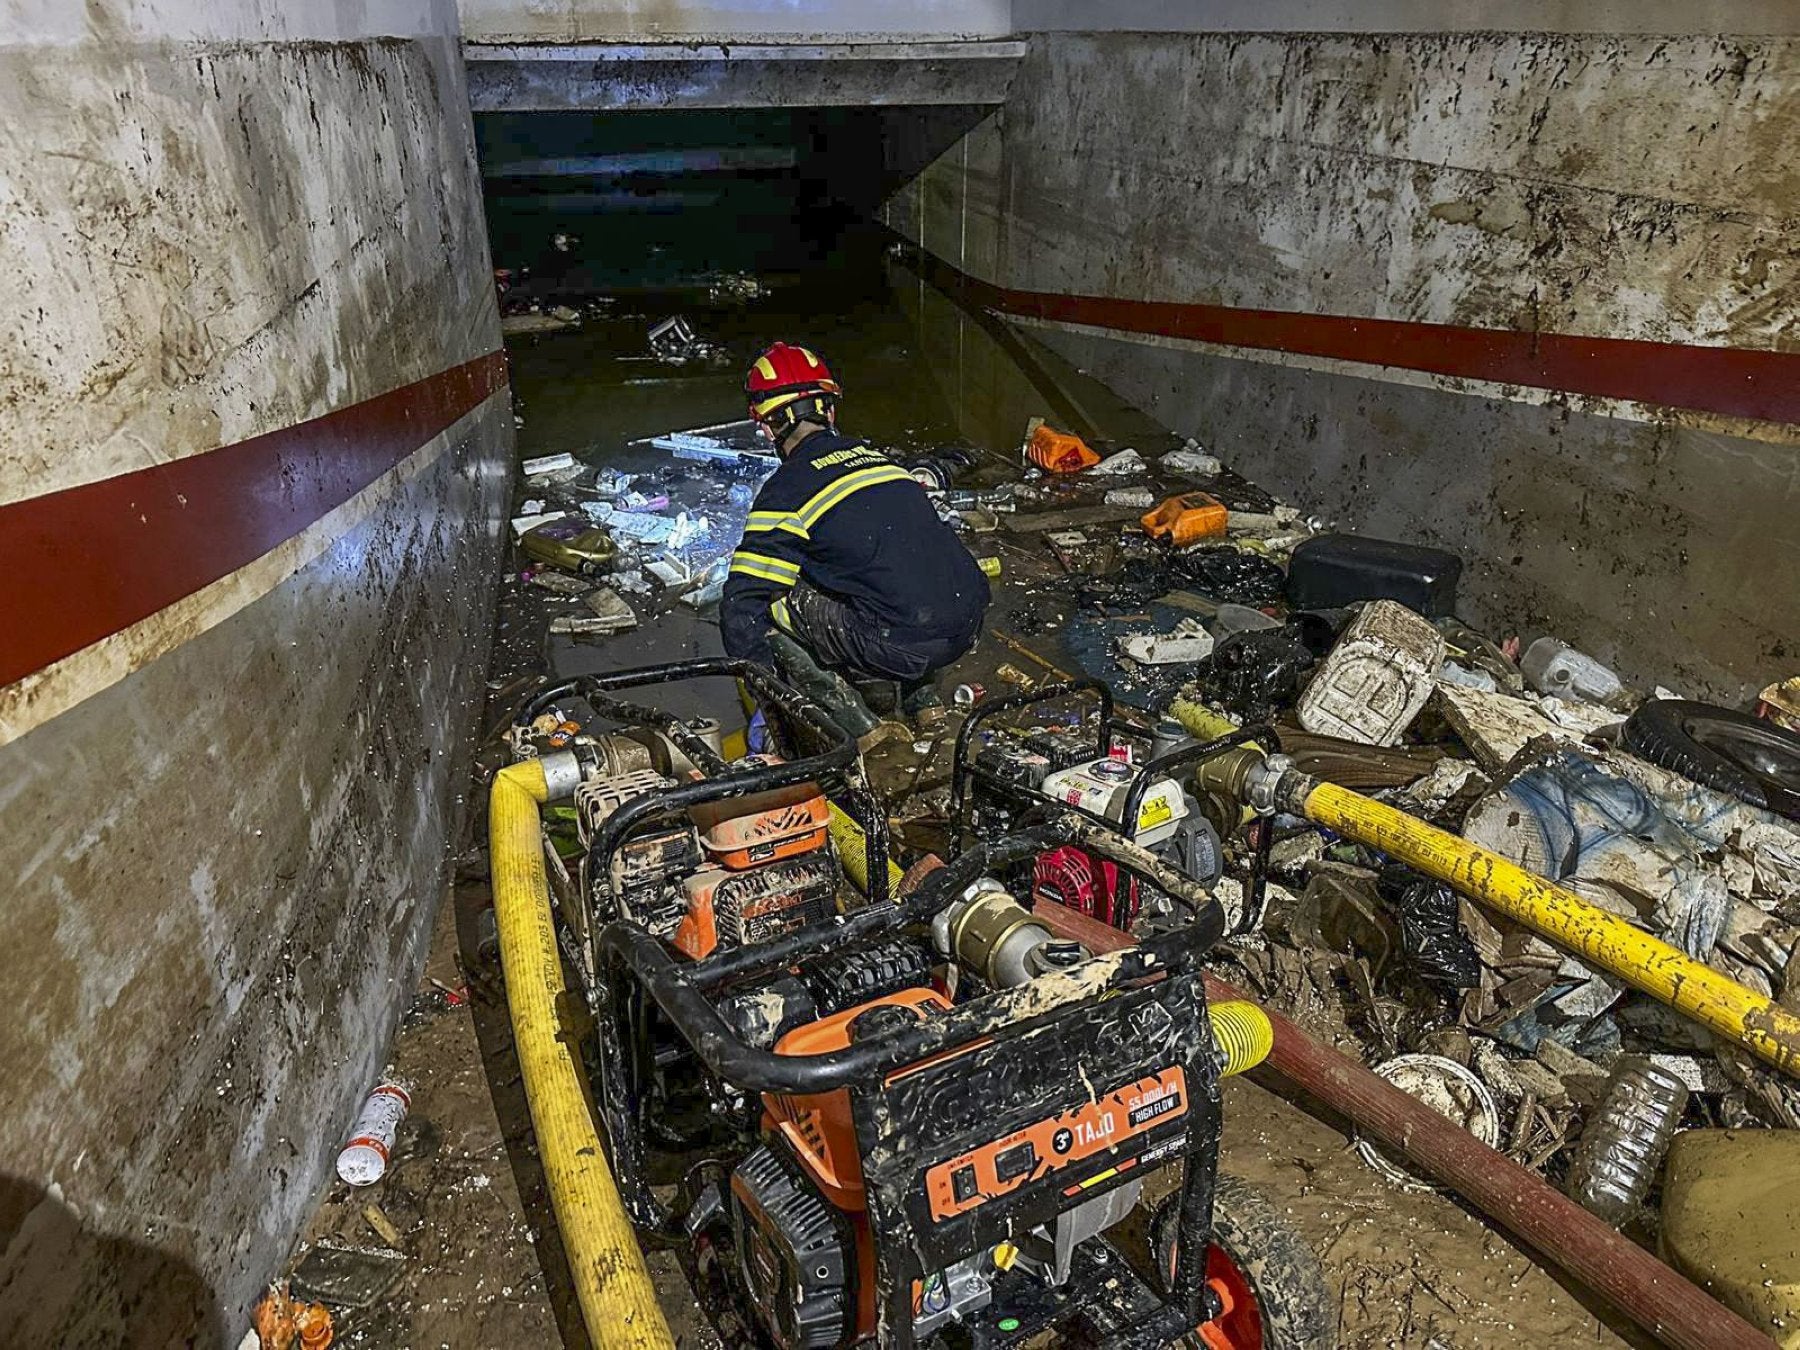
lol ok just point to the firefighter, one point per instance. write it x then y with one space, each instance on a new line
843 553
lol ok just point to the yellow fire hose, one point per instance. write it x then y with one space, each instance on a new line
618 1302
1604 940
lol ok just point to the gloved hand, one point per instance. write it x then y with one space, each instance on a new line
756 735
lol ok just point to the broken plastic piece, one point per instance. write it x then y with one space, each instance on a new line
610 609
1191 459
1137 497
1118 465
1188 641
547 464
558 584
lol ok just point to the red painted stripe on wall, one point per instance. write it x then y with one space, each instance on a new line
81 564
1733 381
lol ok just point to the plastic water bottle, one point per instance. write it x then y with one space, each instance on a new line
1624 1142
365 1158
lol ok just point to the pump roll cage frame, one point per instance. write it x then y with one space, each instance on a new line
966 770
633 968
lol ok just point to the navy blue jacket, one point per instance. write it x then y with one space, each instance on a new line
854 525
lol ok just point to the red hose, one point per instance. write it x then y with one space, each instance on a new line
1654 1296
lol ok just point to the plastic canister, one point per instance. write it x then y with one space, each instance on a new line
1187 519
1058 451
1376 678
1240 619
1554 667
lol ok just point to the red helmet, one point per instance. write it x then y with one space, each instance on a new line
782 377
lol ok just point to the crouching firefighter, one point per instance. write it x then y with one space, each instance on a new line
845 569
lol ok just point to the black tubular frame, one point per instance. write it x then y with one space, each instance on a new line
631 960
837 767
963 769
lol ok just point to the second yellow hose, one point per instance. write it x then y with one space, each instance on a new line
852 844
1603 940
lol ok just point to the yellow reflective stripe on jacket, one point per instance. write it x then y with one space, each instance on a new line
765 568
828 497
762 522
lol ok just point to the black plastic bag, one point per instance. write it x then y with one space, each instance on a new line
1256 673
1230 574
1431 931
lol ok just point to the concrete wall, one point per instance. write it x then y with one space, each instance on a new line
1408 16
253 456
1610 186
729 20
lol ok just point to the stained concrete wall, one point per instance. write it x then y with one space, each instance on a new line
730 20
1616 186
224 827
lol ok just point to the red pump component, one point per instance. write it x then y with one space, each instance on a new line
1075 878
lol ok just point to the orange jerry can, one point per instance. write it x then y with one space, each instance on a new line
1058 451
1187 519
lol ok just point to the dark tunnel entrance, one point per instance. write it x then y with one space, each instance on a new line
580 204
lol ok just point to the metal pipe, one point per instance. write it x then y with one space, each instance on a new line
1652 1295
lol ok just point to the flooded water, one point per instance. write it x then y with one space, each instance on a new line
594 391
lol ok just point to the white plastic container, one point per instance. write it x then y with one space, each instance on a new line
1376 678
364 1159
1554 667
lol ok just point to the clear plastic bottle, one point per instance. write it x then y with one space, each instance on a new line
1623 1145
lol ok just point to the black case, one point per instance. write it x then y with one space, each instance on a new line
1333 570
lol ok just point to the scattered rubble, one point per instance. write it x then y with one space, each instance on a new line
1226 609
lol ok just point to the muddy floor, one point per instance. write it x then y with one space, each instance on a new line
463 1204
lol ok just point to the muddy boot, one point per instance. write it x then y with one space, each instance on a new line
921 703
829 690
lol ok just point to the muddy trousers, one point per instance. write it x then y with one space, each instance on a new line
840 638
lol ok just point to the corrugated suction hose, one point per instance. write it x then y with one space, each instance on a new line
618 1302
1244 1033
852 845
